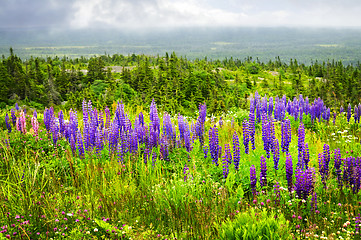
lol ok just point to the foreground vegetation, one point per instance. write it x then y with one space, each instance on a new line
280 169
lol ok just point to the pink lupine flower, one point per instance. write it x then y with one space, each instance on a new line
35 124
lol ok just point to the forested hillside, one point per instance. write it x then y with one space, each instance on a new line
176 83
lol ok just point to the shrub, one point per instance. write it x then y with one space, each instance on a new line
252 225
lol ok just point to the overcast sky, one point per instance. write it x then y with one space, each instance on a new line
135 14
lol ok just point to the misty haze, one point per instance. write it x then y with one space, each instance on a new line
304 44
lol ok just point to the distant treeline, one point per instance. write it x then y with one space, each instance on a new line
176 84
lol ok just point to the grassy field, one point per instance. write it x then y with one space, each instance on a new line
129 173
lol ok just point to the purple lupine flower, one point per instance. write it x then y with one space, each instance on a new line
326 113
301 143
306 155
205 151
133 141
185 172
314 202
307 106
356 175
48 118
122 145
187 137
334 118
113 136
80 144
181 127
193 131
301 114
337 164
146 155
327 158
141 118
227 153
73 122
348 171
289 172
320 167
17 106
252 105
13 117
277 110
323 166
246 139
93 125
168 128
356 113
140 130
226 164
153 115
341 109
214 144
295 109
200 122
236 150
164 151
304 182
61 122
276 153
120 152
263 174
270 106
257 99
253 178
301 103
272 133
121 118
286 135
264 107
266 135
73 144
153 136
7 122
99 141
277 192
126 143
55 131
282 108
348 112
252 129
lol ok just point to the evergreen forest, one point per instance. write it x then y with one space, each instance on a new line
177 84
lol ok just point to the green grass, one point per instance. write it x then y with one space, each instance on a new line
46 190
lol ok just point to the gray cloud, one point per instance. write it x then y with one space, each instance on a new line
35 13
135 14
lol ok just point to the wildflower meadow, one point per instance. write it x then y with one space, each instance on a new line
282 169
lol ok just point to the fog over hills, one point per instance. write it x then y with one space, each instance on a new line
304 30
303 44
